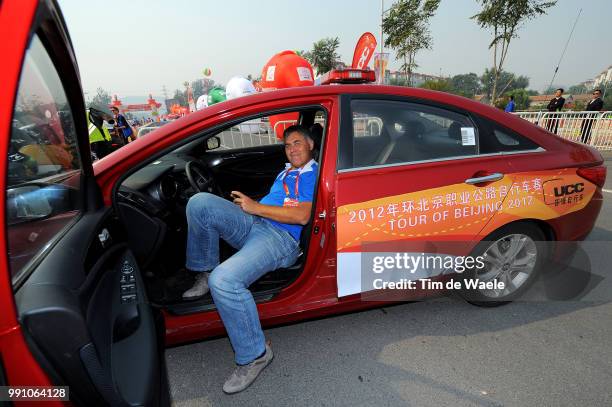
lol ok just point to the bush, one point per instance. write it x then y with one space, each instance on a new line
441 85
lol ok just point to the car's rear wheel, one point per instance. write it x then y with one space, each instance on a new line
512 256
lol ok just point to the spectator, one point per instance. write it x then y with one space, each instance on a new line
510 106
555 105
122 126
595 105
99 137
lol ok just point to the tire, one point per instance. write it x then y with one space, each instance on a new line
514 254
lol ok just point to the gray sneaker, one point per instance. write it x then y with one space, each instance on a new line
245 375
199 289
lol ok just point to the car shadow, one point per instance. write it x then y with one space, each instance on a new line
576 279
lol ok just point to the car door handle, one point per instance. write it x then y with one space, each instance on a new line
487 178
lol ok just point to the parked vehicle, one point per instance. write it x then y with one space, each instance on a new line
149 127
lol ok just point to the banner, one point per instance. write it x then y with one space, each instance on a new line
380 59
363 51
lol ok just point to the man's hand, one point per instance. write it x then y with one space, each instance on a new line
298 215
247 204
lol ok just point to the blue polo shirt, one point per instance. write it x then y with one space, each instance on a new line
306 186
121 121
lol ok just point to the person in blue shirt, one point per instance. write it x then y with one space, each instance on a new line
122 125
266 234
510 106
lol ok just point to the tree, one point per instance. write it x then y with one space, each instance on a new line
504 18
608 100
521 98
406 27
201 87
467 84
102 98
181 97
197 87
580 105
398 82
519 82
323 56
442 85
502 81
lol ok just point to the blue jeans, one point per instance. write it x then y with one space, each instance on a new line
262 248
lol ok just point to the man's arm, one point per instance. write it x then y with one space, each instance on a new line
561 103
297 215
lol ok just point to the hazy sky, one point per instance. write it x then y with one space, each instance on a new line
135 47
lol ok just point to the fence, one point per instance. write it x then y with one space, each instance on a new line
248 134
256 132
592 128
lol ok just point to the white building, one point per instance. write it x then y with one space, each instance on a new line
416 78
603 77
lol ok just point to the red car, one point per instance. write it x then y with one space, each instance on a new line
91 278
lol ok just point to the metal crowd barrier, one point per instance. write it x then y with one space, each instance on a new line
248 134
592 128
255 132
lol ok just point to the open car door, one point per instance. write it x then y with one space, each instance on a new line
74 308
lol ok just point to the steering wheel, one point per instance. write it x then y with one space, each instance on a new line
200 177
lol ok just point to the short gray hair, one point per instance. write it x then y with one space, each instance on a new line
297 129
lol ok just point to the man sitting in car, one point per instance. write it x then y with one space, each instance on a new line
266 234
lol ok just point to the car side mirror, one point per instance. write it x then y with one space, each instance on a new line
213 143
27 203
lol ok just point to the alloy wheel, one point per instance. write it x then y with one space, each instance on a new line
511 260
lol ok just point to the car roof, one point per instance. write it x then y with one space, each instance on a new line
336 90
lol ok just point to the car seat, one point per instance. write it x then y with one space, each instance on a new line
401 146
316 133
454 131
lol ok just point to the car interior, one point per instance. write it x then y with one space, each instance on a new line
151 204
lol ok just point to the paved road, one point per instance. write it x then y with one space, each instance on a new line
553 348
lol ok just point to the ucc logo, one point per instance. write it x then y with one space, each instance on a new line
569 189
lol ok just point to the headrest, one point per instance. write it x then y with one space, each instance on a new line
454 131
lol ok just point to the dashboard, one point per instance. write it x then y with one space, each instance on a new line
157 188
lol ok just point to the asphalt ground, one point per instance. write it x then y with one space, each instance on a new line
551 348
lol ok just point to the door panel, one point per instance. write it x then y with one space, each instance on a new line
94 327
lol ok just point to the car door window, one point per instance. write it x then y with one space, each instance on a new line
494 139
261 131
44 170
393 132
